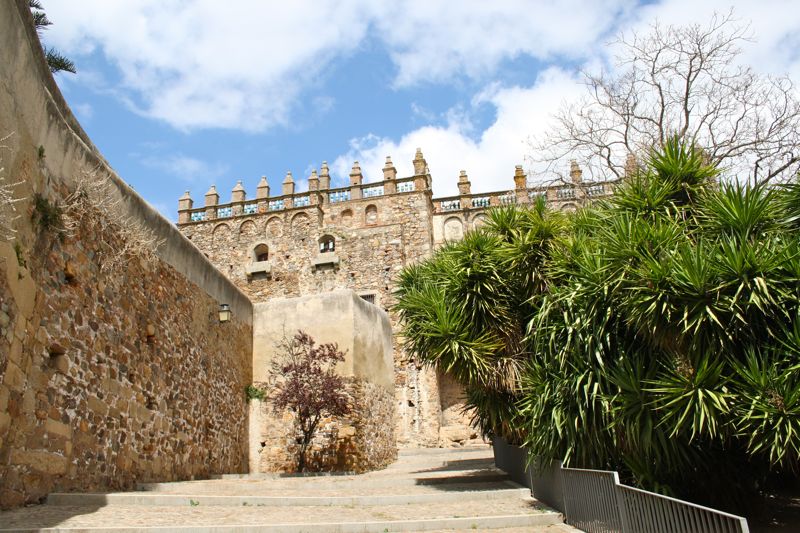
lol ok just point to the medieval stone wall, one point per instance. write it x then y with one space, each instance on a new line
360 441
114 366
374 239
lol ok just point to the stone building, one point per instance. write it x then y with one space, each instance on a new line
359 237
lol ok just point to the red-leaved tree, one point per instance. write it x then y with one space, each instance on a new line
306 384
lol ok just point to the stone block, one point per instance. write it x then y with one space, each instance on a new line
58 428
39 460
326 259
14 378
259 267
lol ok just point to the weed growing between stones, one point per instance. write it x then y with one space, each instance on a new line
95 206
254 393
48 215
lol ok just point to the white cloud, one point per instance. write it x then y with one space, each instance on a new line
186 168
489 159
433 41
525 112
209 64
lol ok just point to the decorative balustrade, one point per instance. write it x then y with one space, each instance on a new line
483 201
450 205
508 198
560 193
370 192
595 190
338 196
301 201
566 193
405 186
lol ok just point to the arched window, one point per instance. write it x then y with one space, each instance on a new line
327 244
371 215
261 253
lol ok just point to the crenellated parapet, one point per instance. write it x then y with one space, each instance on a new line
319 193
560 195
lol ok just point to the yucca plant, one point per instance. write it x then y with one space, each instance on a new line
465 310
655 333
642 348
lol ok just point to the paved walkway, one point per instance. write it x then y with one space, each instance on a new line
425 490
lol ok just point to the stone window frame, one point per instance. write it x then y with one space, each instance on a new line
255 256
324 240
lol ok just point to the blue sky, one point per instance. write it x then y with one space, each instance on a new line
178 95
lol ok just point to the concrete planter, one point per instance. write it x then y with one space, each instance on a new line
511 460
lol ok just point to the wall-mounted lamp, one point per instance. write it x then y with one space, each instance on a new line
224 312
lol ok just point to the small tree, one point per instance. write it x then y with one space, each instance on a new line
308 386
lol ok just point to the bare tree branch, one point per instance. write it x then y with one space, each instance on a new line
684 81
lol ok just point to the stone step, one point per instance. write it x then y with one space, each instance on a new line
511 513
168 500
374 480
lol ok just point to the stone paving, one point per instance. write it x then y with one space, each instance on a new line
421 478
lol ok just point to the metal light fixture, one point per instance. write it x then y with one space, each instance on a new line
224 312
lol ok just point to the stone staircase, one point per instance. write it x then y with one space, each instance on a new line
425 490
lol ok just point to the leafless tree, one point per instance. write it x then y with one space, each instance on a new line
685 81
8 200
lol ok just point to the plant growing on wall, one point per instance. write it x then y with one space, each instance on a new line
95 205
55 59
8 212
307 385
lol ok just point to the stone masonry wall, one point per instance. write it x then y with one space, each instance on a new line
108 376
371 252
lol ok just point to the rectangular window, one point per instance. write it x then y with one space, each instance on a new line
339 196
302 201
224 212
369 192
368 298
275 205
198 216
250 209
406 186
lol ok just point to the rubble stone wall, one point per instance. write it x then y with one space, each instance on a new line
108 376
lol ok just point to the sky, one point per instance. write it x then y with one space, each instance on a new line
180 95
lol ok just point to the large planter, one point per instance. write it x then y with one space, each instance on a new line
511 460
